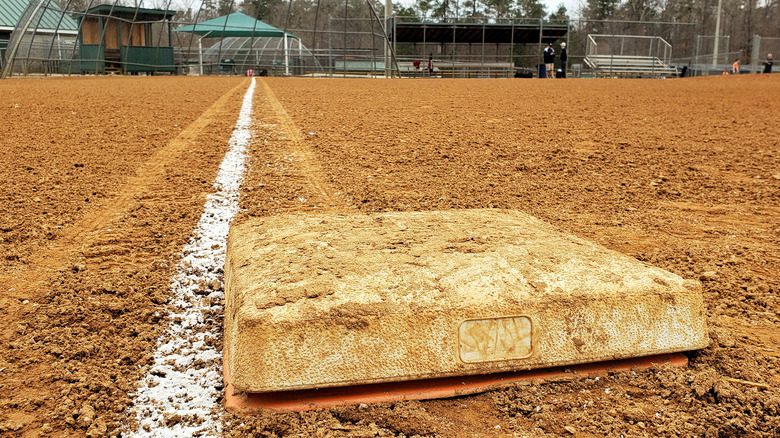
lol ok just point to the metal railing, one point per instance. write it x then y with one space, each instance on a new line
629 54
629 45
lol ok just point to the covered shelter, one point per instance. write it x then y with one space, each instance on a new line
121 39
238 28
477 33
500 44
49 31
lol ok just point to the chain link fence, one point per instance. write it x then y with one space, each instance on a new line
762 48
350 42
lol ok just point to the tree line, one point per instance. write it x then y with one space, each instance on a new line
739 19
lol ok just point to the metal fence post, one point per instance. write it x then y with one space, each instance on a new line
612 50
330 45
454 45
425 42
695 52
539 59
482 60
756 48
346 15
512 47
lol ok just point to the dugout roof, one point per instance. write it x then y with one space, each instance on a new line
473 33
52 19
136 14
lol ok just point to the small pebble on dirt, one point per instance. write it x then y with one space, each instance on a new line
708 276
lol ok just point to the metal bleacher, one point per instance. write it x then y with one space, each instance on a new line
629 56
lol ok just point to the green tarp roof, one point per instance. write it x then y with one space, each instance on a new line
137 14
52 19
233 25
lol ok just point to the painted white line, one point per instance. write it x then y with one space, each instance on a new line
179 397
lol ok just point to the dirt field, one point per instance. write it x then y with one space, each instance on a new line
105 178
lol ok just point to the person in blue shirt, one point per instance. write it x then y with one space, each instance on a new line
549 61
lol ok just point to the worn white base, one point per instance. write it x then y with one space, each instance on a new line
343 299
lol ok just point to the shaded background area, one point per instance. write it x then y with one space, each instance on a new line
332 37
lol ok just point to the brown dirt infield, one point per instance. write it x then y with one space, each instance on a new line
104 179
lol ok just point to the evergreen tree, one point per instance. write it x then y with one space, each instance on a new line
600 9
474 8
560 15
531 9
406 14
424 7
441 9
500 8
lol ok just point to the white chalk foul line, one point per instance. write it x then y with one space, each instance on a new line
179 397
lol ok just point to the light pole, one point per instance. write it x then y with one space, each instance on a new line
717 37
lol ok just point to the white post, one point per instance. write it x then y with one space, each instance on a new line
286 56
200 56
200 52
301 64
717 37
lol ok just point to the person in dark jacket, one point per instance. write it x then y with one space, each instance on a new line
564 58
549 61
768 63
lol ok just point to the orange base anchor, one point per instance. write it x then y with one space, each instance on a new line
294 401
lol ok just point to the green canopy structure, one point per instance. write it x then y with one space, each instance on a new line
233 25
236 25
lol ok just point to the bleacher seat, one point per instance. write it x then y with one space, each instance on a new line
644 66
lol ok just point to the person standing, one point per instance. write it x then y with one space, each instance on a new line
564 58
768 63
430 65
549 61
735 67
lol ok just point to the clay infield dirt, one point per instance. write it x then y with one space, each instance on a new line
104 179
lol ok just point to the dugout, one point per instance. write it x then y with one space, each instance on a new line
124 39
479 46
43 48
3 46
